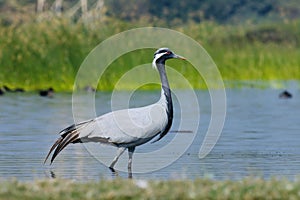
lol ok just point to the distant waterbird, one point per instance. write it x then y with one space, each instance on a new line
128 128
8 89
19 90
47 93
285 95
89 89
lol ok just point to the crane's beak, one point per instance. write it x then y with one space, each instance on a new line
179 57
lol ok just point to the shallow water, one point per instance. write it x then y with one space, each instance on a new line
260 137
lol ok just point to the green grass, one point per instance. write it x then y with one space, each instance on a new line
41 54
248 188
264 52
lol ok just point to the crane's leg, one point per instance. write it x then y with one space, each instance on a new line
130 154
119 153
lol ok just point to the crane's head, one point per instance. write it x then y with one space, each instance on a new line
163 54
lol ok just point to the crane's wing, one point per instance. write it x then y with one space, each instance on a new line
129 127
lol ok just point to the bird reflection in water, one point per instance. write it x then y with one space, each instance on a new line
114 174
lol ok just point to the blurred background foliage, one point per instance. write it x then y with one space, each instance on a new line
248 39
176 12
221 11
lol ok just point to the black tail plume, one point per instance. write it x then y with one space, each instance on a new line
67 136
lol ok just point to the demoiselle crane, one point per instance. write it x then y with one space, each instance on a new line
128 128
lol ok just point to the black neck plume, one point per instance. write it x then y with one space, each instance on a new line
165 85
167 93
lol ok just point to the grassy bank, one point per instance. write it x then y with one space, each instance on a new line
42 54
249 188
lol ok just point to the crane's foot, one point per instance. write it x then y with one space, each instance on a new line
52 174
112 169
114 172
130 175
129 171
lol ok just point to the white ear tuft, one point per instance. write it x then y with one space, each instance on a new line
154 64
156 57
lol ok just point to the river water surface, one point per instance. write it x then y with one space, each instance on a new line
260 138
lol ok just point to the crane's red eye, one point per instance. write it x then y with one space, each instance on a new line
168 52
